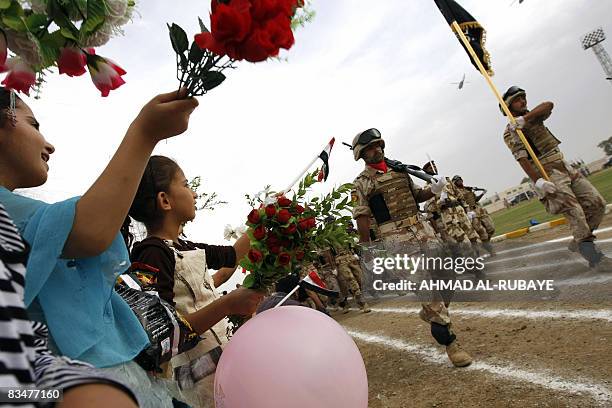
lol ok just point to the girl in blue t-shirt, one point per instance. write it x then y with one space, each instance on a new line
76 251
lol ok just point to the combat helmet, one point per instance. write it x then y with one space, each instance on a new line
512 93
365 139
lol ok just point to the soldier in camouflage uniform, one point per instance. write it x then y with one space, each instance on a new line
456 230
481 221
330 277
349 271
392 199
567 192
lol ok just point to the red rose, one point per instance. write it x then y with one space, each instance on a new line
255 256
72 61
270 210
279 31
258 46
299 209
283 201
303 224
312 222
284 258
259 233
231 22
285 243
254 216
275 249
290 229
299 255
283 216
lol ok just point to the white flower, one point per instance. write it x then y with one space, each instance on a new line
97 39
25 45
116 9
230 232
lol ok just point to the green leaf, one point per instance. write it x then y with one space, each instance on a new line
50 45
34 21
249 281
196 53
4 4
96 15
212 79
68 33
178 37
14 22
202 26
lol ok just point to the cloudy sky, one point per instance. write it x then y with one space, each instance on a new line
359 64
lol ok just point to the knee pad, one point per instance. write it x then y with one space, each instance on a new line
442 334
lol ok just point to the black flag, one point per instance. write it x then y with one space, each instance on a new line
474 32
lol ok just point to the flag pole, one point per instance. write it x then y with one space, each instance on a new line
300 175
287 297
483 71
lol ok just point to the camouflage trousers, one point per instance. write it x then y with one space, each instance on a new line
433 303
581 204
466 224
486 221
455 233
349 272
483 224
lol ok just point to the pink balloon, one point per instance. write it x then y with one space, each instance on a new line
291 356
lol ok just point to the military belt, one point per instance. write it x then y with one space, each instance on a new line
395 225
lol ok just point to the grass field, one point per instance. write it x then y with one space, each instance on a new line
518 216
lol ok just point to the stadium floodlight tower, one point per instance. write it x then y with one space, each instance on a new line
593 40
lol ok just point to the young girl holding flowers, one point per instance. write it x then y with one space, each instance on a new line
164 202
76 252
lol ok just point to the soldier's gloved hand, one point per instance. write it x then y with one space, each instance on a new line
545 187
471 215
443 198
520 122
438 183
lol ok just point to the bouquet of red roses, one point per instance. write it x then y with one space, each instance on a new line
252 30
286 232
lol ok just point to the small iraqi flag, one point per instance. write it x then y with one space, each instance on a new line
313 282
472 29
325 157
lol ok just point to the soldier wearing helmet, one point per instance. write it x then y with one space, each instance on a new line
446 214
391 200
567 192
477 215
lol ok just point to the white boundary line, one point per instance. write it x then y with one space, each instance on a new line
593 314
542 378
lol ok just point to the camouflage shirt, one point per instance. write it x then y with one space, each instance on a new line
364 185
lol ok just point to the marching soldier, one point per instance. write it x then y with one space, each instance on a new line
392 199
481 221
567 192
459 232
349 271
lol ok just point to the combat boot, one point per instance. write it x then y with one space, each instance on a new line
489 248
458 356
363 304
597 261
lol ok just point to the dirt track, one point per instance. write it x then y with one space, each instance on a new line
554 353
